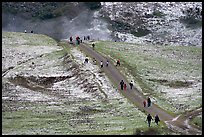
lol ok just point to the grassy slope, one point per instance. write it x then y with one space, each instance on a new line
159 70
117 116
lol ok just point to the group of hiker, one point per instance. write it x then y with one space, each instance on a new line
123 86
78 39
26 31
149 119
107 62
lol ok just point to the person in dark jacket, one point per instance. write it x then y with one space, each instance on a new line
156 118
70 39
101 64
131 84
122 84
107 62
149 118
118 62
93 45
148 102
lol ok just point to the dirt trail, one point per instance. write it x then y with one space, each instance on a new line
175 123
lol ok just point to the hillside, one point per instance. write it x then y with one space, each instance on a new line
164 23
47 89
48 86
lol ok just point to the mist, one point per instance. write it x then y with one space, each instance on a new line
86 23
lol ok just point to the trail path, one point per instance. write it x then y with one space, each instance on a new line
178 123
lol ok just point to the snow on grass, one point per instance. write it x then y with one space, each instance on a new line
164 69
60 109
17 48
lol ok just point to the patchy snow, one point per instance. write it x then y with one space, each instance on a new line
166 30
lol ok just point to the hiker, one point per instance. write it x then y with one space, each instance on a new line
125 87
70 38
93 45
25 31
86 60
121 84
156 118
107 62
144 103
88 37
149 118
84 38
77 40
131 84
31 31
94 61
118 62
101 64
148 102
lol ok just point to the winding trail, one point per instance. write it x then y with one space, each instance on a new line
178 123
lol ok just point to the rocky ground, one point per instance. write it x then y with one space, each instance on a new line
154 22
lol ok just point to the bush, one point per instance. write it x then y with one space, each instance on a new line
158 14
192 18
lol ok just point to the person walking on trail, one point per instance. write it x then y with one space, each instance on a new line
148 102
125 87
144 103
93 45
156 118
101 64
77 40
70 39
149 118
86 60
107 62
118 62
121 84
131 84
94 61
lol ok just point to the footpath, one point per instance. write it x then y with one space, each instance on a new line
178 123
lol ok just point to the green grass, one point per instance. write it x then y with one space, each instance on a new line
197 121
114 116
154 67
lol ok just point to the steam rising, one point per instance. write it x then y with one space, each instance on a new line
86 23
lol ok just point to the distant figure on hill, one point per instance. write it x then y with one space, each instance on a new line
125 87
93 45
144 103
131 84
77 40
156 118
121 84
86 60
118 62
25 31
94 60
149 118
148 102
107 62
31 31
101 64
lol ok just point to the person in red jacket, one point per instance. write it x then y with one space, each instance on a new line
118 62
125 87
144 103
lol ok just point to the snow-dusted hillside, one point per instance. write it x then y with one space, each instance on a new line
162 19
